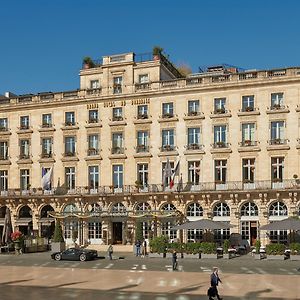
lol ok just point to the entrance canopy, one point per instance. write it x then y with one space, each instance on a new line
286 224
203 224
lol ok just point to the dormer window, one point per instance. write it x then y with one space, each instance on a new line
144 78
94 84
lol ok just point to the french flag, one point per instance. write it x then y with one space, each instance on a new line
175 173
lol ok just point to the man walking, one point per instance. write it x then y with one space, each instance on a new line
214 281
110 251
174 260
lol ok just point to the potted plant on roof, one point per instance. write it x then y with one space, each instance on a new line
157 51
58 243
88 63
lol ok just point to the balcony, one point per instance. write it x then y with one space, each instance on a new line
93 152
194 115
142 86
142 116
194 148
220 113
3 129
167 148
70 125
220 147
95 91
277 108
46 155
167 117
4 157
248 145
220 144
45 127
248 111
93 120
117 150
278 144
142 148
69 154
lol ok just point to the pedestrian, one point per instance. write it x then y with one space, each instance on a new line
214 281
174 260
138 248
110 251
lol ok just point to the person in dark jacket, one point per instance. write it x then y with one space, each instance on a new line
214 281
174 260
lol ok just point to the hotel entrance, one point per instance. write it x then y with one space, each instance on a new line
117 233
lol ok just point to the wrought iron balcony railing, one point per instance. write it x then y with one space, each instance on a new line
278 141
142 148
248 143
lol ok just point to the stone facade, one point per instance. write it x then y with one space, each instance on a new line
235 135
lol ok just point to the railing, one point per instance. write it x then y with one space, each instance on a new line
46 155
278 141
117 150
92 152
93 120
46 125
142 116
69 154
142 148
167 116
166 148
277 106
93 91
193 147
248 143
248 108
219 111
220 145
142 86
117 118
287 184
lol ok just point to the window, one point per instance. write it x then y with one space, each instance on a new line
277 165
142 174
46 147
166 226
3 150
248 131
193 138
93 177
142 112
46 120
70 178
248 103
220 136
167 110
278 208
93 116
194 210
276 100
118 207
249 209
69 118
3 180
193 107
142 207
220 171
142 141
194 172
144 78
95 230
221 210
118 176
245 230
93 144
24 179
118 85
168 139
194 235
277 132
24 122
3 124
248 170
24 149
117 114
117 143
70 146
94 84
220 105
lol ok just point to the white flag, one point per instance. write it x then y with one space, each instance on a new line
46 179
167 172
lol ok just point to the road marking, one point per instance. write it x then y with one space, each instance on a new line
247 270
261 271
134 267
75 265
205 269
108 266
144 267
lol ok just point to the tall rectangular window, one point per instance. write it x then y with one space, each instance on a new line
70 145
248 130
93 146
248 170
3 124
24 149
168 140
220 171
194 137
277 165
93 116
142 174
47 147
248 103
220 134
219 105
3 150
194 172
142 141
24 179
117 143
118 176
93 177
167 110
3 180
46 120
193 107
70 178
118 84
24 122
277 132
276 100
142 112
69 118
117 114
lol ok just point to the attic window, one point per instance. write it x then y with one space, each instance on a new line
117 58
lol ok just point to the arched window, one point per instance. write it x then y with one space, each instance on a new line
94 207
249 209
118 207
194 210
70 208
221 210
278 209
168 207
25 212
44 211
144 206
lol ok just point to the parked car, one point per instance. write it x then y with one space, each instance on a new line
75 254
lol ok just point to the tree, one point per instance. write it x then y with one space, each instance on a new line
139 231
184 69
58 234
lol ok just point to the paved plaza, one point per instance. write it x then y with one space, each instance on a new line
37 276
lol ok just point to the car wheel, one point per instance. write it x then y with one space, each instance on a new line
82 257
57 256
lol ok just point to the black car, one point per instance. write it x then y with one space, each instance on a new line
75 254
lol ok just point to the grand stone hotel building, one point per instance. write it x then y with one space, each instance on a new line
235 134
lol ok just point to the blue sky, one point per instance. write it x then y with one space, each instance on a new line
43 42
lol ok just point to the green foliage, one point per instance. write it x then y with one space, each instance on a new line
58 234
88 61
193 248
159 244
295 248
208 248
226 245
157 50
179 247
257 246
139 231
275 249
